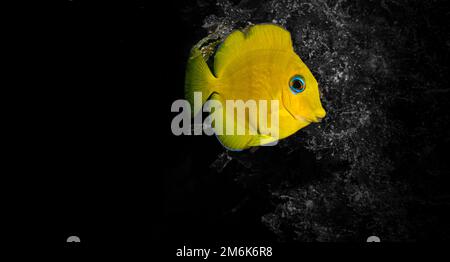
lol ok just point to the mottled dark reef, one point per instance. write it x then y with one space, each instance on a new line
376 165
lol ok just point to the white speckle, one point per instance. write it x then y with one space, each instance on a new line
373 239
309 204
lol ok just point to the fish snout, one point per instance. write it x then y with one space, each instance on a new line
315 117
320 114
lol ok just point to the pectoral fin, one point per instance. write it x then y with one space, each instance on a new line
233 141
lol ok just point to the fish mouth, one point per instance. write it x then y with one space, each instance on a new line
308 119
316 118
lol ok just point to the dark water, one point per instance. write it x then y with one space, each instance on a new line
376 165
114 173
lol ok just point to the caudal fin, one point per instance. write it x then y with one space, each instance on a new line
198 78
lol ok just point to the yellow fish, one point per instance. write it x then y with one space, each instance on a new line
257 64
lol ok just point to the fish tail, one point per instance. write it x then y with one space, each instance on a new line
199 78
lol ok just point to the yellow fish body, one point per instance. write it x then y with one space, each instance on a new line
258 64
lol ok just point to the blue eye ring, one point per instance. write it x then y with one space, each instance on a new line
297 84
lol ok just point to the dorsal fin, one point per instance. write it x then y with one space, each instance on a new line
257 37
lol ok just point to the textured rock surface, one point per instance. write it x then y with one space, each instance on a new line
375 165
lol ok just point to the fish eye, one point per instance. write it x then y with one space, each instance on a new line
297 84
